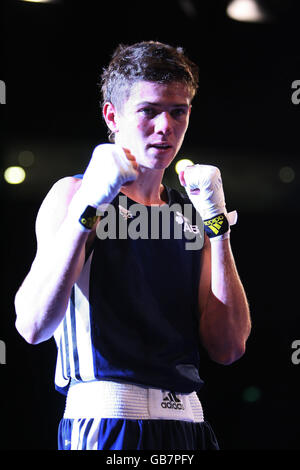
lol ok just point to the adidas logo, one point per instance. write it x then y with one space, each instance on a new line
171 401
215 224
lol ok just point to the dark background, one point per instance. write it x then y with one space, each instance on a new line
243 121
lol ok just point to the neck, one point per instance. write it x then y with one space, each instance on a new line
147 189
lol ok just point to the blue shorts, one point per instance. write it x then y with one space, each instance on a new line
128 434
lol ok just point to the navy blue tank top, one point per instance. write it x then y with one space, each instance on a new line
133 314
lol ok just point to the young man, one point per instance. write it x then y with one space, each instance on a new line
127 313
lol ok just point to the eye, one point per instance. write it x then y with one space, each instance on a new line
148 112
178 112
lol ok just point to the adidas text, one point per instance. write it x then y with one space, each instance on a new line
175 406
171 401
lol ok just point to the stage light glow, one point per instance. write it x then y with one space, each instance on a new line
14 175
247 10
26 158
181 164
286 174
39 1
251 394
188 8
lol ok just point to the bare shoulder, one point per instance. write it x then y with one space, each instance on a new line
64 187
54 207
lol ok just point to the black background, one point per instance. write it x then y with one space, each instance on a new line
243 120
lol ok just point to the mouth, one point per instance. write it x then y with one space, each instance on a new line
161 146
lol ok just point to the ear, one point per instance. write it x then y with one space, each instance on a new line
109 114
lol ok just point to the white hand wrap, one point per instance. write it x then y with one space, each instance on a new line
107 171
203 184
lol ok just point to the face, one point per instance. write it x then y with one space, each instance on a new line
153 122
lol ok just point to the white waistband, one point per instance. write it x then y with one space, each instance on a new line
106 399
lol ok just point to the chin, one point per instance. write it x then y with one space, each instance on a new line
158 162
156 165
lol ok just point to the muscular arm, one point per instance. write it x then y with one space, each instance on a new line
42 299
224 313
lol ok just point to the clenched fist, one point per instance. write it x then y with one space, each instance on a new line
203 184
109 169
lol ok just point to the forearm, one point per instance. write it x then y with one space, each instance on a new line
225 322
42 299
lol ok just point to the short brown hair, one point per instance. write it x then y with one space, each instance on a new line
150 61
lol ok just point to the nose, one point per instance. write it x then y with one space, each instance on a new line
163 123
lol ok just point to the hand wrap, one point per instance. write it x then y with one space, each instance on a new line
108 170
203 184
